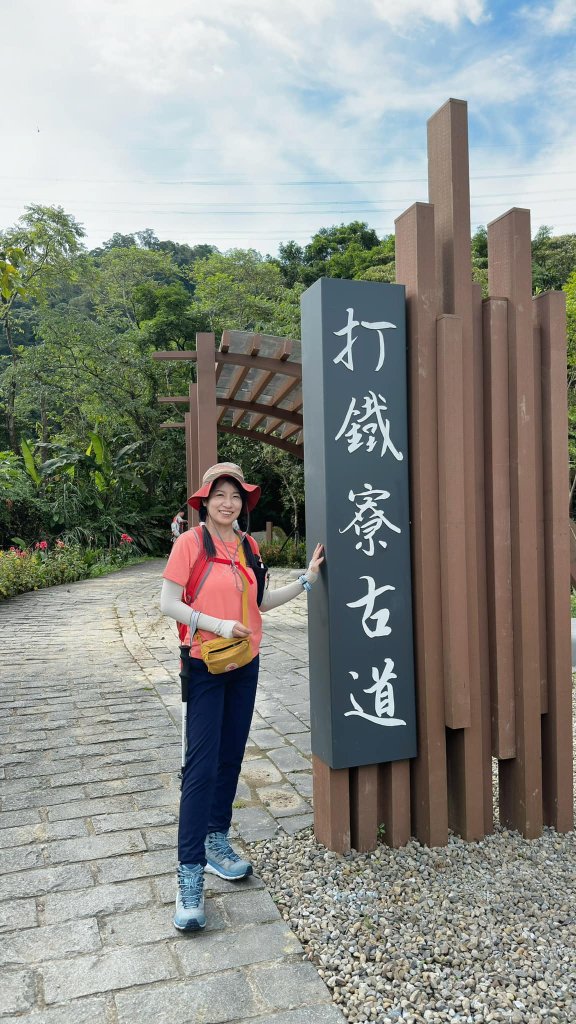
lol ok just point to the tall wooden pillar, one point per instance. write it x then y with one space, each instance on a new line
449 191
415 268
207 410
550 318
510 276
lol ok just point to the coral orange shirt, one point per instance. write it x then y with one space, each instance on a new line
220 594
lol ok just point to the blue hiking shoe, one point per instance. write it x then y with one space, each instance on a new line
222 859
190 916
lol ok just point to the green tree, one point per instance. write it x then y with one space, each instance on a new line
36 255
243 290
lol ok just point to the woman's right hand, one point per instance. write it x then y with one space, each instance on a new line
240 630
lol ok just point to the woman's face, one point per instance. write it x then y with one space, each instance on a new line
224 503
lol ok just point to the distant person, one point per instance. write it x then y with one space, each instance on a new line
178 525
212 583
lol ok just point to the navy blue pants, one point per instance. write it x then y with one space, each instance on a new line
219 715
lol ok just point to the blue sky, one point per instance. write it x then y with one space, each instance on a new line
245 123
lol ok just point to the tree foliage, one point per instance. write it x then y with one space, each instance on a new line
82 455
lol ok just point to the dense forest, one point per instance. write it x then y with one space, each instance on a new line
82 457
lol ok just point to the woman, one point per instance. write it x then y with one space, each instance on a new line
219 706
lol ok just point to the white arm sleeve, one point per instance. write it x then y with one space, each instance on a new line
171 604
274 598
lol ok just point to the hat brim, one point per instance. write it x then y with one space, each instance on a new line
252 492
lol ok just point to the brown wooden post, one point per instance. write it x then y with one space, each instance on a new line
269 531
498 541
331 805
480 507
510 276
207 409
449 191
192 446
415 268
364 807
452 504
550 315
394 802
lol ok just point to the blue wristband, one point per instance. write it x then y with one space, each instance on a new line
302 579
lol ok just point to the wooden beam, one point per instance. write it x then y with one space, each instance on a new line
259 435
550 316
510 276
415 268
237 359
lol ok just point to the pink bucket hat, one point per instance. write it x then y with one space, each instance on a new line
252 491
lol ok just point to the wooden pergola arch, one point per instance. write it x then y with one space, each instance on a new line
250 386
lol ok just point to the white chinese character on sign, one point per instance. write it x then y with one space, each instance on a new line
345 356
379 326
369 518
361 429
380 617
383 691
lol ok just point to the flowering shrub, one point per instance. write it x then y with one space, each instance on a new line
38 566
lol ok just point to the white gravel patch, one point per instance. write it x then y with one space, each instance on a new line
466 933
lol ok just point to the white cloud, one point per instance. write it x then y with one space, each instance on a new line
443 12
552 19
131 97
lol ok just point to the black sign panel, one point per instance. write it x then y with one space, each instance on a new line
357 504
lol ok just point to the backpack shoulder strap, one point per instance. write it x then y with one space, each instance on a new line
193 580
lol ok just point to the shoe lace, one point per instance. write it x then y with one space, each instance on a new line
218 844
190 884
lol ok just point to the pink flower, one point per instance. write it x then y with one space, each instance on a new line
126 539
60 544
41 545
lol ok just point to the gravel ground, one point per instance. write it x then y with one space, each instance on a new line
464 933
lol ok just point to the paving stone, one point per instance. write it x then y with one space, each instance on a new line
17 992
248 907
108 971
282 801
100 900
236 949
214 998
80 1011
86 808
295 824
52 942
323 1013
44 880
302 782
22 857
259 771
46 798
18 914
132 819
155 862
160 838
116 787
94 847
302 741
287 759
266 739
13 819
153 924
285 986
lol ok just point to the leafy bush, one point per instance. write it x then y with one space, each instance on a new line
32 569
290 553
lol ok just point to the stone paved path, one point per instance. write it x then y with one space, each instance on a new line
90 749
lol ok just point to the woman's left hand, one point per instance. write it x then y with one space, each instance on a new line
317 559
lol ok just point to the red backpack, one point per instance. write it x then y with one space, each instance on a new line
203 565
